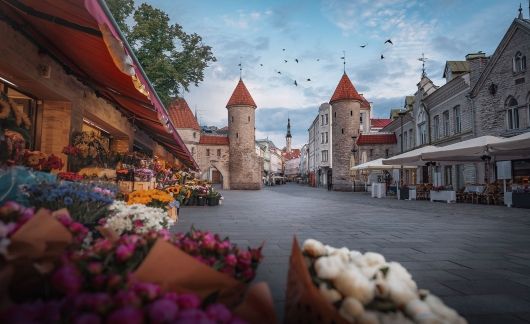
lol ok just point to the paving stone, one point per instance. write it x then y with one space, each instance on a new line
461 252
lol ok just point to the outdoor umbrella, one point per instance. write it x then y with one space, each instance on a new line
413 157
470 150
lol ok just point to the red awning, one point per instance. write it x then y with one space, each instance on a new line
72 31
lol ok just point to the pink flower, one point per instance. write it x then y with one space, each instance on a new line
77 227
218 313
245 258
67 280
248 274
114 280
95 267
188 301
208 241
124 252
148 290
99 280
127 298
87 318
138 223
223 246
102 245
126 315
231 260
193 316
162 311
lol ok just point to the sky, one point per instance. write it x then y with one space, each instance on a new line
316 32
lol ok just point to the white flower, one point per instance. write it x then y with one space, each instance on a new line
417 309
137 218
329 249
374 259
314 248
400 293
398 272
441 310
350 309
343 253
329 267
330 294
352 283
368 318
394 318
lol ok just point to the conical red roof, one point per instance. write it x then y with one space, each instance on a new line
241 96
345 91
181 115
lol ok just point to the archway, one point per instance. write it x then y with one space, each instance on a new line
217 173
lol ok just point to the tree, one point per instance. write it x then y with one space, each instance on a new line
172 59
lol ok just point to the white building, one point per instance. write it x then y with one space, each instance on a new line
320 149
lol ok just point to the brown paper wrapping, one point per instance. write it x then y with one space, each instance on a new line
173 214
304 303
175 270
108 233
42 237
257 307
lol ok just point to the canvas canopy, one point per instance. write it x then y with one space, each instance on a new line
514 147
411 157
83 36
378 165
470 150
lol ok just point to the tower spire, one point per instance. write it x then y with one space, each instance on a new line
520 11
240 68
423 59
344 60
288 137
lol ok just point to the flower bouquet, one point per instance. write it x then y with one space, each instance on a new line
41 161
143 174
349 287
152 198
86 202
136 219
69 176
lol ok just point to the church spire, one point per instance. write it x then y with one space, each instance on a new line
288 127
288 137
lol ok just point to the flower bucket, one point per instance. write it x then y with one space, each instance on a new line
201 201
213 201
173 213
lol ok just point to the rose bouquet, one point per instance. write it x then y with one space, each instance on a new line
41 161
137 303
86 202
69 176
136 219
365 288
152 198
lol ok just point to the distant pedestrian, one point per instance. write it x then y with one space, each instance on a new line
330 184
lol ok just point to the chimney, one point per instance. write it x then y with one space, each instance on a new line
477 62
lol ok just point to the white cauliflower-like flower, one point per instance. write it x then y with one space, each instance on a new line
437 306
329 267
350 309
343 253
314 248
352 283
400 293
418 309
137 218
394 318
374 259
330 294
368 317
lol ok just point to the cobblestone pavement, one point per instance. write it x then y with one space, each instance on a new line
476 257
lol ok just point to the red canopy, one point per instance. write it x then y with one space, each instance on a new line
72 31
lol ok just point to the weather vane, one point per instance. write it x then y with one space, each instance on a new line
240 67
423 59
344 60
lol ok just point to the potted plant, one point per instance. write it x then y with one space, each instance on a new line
213 197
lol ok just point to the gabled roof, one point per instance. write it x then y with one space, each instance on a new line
365 103
295 153
516 24
214 140
241 96
456 67
367 139
377 122
345 91
181 115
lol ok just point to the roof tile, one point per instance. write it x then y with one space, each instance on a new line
241 96
181 115
345 91
214 140
380 123
366 139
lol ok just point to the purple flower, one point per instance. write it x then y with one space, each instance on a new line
231 260
188 301
219 313
196 316
68 201
126 315
67 280
87 318
162 311
148 290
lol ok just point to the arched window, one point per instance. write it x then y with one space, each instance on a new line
519 62
422 127
512 113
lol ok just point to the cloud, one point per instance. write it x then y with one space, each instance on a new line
243 19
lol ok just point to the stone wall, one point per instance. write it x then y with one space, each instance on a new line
245 167
490 109
219 162
345 124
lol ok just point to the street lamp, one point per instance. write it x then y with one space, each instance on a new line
401 114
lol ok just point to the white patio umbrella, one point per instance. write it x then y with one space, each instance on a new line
516 147
469 150
411 157
378 165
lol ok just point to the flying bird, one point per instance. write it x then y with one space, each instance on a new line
279 72
318 60
363 46
308 79
389 42
295 83
382 57
283 49
296 60
260 64
285 61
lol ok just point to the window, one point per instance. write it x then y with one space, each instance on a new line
324 156
194 135
386 153
457 120
361 118
327 119
422 132
371 152
512 114
411 139
519 63
237 135
322 138
193 151
207 152
342 130
218 152
351 112
436 127
249 119
446 122
327 139
335 114
232 119
405 139
321 119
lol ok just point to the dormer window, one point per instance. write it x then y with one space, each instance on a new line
519 62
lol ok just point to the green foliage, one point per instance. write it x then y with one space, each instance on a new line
172 59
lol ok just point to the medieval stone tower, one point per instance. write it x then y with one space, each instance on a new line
346 106
288 137
245 168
